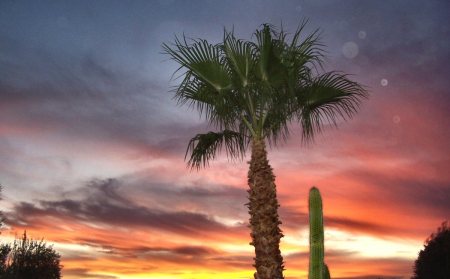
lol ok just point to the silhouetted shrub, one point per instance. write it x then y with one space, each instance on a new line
434 260
27 258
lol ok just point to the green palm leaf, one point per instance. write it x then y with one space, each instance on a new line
325 99
203 60
270 68
238 54
204 147
220 108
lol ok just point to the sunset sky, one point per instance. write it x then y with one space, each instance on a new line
92 144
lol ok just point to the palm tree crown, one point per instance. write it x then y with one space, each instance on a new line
256 89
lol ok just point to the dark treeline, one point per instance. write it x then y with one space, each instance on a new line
26 258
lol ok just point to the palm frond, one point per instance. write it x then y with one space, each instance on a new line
220 108
203 60
238 55
301 56
270 68
325 99
276 126
204 147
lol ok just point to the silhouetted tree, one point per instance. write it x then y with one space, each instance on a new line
434 260
4 251
27 258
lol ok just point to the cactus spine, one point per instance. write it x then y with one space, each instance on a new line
317 267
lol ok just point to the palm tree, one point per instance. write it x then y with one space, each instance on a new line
251 92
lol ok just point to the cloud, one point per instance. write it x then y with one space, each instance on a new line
424 194
101 204
98 223
86 274
45 92
354 225
296 219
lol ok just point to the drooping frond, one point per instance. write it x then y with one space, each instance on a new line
204 147
327 98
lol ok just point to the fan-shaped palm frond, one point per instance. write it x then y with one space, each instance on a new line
238 55
327 98
203 60
220 108
204 147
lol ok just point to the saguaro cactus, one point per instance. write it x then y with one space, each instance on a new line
317 267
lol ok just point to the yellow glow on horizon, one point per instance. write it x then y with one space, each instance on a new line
183 275
236 248
371 246
366 246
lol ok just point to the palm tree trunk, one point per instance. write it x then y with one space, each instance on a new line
264 222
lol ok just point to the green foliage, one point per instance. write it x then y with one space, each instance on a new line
27 258
257 88
317 267
434 260
203 147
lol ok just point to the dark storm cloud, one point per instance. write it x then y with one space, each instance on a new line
100 203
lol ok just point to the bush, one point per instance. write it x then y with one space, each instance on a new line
27 258
434 260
